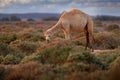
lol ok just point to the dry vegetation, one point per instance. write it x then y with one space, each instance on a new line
24 54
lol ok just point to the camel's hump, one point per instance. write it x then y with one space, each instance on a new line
73 12
77 11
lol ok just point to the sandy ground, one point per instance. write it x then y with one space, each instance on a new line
101 51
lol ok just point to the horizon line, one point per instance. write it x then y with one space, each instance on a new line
59 13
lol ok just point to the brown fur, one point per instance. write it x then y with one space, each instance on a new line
74 21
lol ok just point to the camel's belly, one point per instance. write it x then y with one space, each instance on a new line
77 28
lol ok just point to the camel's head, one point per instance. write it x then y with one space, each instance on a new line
47 36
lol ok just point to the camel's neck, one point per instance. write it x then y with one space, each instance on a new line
55 28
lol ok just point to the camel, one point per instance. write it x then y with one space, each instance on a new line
73 21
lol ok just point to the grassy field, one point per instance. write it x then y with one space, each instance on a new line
25 55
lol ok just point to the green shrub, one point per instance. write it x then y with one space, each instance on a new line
112 27
117 33
87 58
98 23
115 70
24 46
28 71
1 59
54 55
32 57
72 67
22 24
51 53
27 47
59 34
5 49
107 58
7 38
11 59
34 36
77 42
96 75
106 40
2 72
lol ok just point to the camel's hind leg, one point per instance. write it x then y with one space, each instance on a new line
87 37
90 30
89 34
92 41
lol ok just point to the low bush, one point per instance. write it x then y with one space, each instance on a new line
11 59
114 71
1 59
106 40
28 71
22 24
117 33
86 58
55 52
32 57
24 46
7 38
2 72
107 58
34 36
78 42
27 47
49 55
96 75
98 23
53 55
112 27
5 49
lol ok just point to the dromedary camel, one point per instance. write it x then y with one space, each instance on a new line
73 21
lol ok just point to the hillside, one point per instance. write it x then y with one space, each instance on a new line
31 15
56 15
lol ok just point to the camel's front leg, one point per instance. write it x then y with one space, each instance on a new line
66 30
67 35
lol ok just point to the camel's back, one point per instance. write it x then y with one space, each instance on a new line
75 18
74 13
